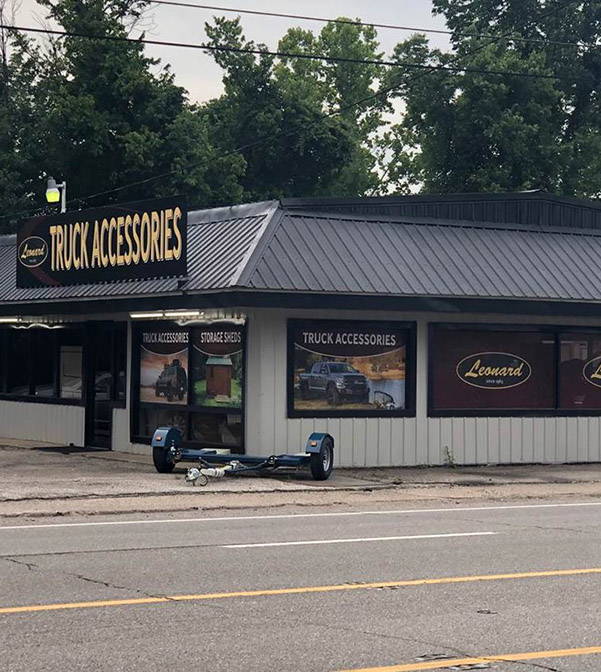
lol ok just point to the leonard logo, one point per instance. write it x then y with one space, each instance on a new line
493 370
592 371
33 251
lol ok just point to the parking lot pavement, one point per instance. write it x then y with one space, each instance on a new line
45 480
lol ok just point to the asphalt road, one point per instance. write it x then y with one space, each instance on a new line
254 591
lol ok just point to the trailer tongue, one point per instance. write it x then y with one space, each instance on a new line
168 450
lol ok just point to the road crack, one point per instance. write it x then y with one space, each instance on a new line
81 577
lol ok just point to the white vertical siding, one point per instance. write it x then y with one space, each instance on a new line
402 441
47 423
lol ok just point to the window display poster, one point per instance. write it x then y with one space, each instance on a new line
164 366
348 367
218 365
478 369
580 371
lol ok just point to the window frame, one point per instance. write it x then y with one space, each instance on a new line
56 400
551 329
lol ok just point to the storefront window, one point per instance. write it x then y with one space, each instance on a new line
217 366
44 346
18 362
70 359
151 418
217 429
492 370
349 369
120 358
164 366
580 371
191 377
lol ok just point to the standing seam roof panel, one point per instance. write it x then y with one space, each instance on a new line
440 258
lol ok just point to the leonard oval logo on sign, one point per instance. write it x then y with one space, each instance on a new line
33 251
493 370
592 371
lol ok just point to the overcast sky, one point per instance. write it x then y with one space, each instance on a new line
196 70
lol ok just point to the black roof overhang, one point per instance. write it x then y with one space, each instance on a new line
235 298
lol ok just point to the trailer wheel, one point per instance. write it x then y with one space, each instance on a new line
162 460
323 462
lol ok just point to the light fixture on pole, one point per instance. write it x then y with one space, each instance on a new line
57 192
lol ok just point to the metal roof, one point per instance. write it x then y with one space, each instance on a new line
277 247
216 250
533 208
346 254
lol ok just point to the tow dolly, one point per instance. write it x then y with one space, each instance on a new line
168 449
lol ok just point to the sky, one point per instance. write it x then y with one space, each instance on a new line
196 70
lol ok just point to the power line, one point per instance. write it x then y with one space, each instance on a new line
370 24
277 54
260 141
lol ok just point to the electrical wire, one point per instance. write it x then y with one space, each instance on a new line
276 54
370 24
260 141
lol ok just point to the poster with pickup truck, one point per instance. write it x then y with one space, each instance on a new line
347 368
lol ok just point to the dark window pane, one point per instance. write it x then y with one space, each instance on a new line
216 429
70 363
102 357
3 360
151 418
580 371
492 370
120 360
18 362
44 362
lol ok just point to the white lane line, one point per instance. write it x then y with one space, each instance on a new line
287 516
360 539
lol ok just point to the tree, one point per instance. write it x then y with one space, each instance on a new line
340 87
102 114
481 132
290 147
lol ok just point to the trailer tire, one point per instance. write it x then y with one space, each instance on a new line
162 460
322 463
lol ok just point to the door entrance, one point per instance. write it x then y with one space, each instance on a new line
99 402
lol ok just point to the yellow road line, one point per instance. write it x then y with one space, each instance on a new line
507 657
295 591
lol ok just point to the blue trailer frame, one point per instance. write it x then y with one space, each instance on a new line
168 450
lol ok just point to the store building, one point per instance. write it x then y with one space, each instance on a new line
415 330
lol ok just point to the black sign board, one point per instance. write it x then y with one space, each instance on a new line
147 239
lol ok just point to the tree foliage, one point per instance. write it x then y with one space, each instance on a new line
102 114
482 132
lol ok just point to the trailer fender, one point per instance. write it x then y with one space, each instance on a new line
166 448
315 442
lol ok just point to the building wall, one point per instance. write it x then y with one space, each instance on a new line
47 423
362 442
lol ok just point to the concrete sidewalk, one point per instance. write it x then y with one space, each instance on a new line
46 480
